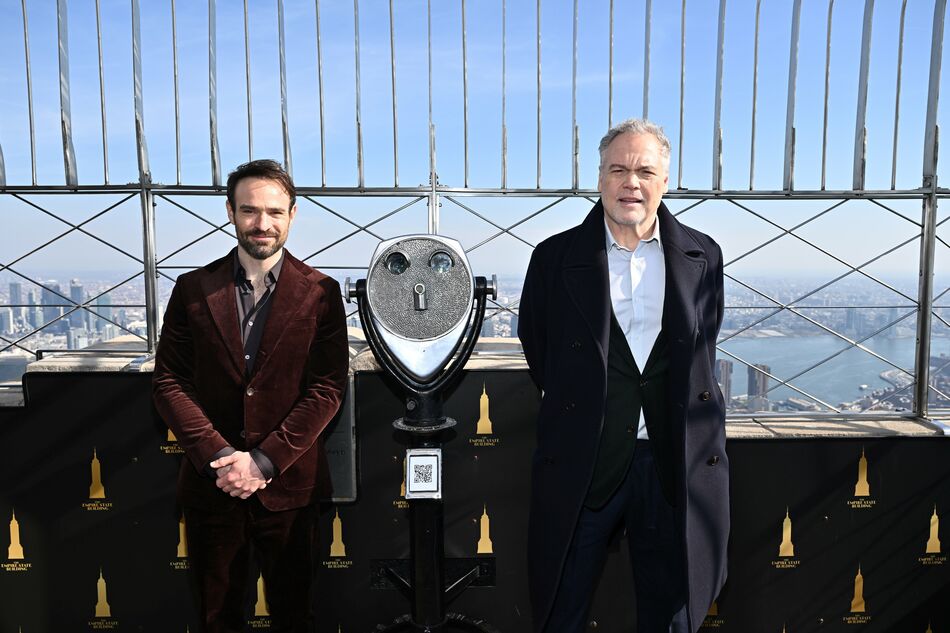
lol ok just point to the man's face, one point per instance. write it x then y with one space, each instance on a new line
633 178
261 217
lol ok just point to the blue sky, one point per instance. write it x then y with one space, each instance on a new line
735 229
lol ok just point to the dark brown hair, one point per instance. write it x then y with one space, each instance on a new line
263 168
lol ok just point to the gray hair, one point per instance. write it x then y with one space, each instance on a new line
637 126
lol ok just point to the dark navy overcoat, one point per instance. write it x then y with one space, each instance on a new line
564 326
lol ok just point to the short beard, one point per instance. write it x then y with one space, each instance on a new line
259 251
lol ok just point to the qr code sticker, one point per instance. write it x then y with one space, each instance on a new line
422 473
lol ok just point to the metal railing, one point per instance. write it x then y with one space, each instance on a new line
460 196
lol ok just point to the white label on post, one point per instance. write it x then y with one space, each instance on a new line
424 473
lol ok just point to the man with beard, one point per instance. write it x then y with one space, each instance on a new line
250 368
619 317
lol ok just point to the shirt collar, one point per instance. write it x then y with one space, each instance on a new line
612 243
240 275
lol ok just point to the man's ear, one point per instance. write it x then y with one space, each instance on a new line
293 212
227 205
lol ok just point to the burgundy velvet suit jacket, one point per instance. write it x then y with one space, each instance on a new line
201 391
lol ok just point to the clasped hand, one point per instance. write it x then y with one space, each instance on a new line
238 475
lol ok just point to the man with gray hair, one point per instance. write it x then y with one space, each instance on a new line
618 320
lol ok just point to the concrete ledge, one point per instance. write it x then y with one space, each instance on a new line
829 427
112 355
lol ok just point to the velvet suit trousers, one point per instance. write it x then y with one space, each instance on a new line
220 548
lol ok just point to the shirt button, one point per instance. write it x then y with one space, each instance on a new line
250 322
243 434
247 357
250 391
704 395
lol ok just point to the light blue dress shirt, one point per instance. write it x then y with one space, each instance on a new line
637 288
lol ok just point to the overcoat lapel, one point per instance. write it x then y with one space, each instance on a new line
685 267
218 287
289 298
586 278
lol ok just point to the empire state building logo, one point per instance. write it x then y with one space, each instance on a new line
862 489
933 551
97 492
484 430
859 608
786 549
16 558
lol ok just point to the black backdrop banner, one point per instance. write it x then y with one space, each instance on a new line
828 534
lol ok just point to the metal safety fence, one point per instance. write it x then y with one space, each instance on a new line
454 96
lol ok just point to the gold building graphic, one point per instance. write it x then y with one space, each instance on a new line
933 543
402 488
787 547
484 422
337 547
15 551
484 539
170 437
182 538
260 607
862 489
96 489
713 609
857 602
102 603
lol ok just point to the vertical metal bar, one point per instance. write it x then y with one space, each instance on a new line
433 186
933 96
29 90
717 116
3 169
213 94
929 233
145 175
925 311
465 92
679 170
610 70
284 121
150 269
539 94
323 144
247 86
65 116
392 67
102 95
647 27
177 101
359 120
897 94
574 167
860 130
504 126
429 50
824 129
788 177
755 92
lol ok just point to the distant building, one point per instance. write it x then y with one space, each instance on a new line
16 300
759 387
34 314
724 378
514 326
488 328
48 299
6 320
77 318
104 310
